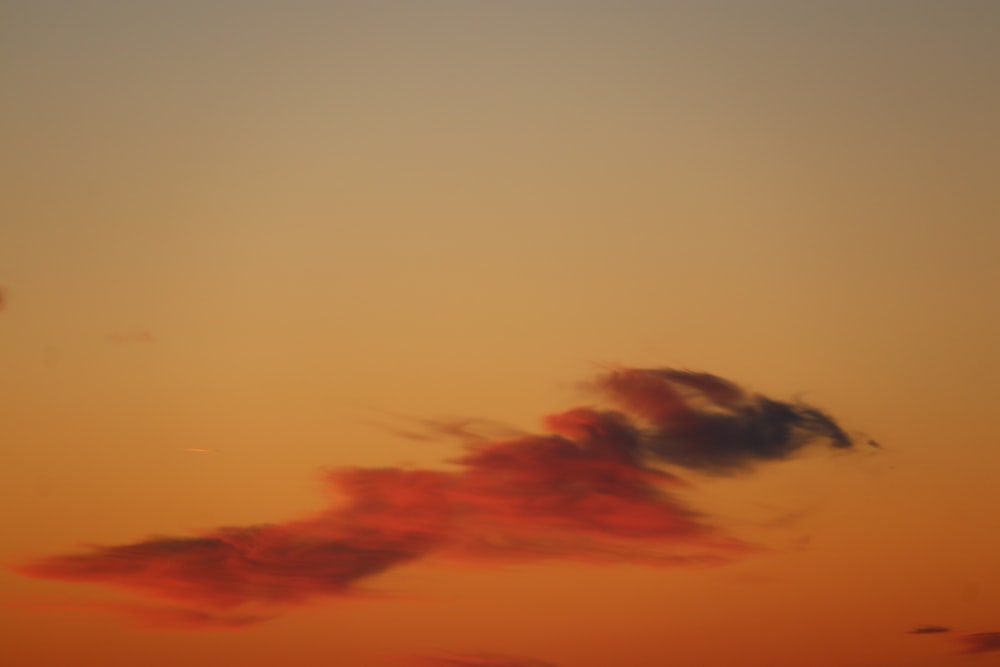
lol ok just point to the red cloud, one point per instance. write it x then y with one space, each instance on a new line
589 490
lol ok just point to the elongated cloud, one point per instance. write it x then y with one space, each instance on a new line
593 487
226 568
982 642
929 630
157 615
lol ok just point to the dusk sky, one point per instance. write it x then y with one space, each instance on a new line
500 333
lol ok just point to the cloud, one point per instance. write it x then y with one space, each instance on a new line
929 630
981 642
226 568
593 487
155 615
462 430
184 618
703 422
475 660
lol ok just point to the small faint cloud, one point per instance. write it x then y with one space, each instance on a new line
465 430
929 630
153 615
181 618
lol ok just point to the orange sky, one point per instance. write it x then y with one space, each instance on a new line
287 232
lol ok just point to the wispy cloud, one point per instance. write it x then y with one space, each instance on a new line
593 487
157 615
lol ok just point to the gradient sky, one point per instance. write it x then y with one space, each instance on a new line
285 232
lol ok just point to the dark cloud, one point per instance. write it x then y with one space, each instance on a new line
981 642
591 488
706 423
929 630
475 660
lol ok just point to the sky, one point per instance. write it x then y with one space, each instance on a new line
492 333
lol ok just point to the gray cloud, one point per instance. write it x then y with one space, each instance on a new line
709 424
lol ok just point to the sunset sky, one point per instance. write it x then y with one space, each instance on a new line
267 265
